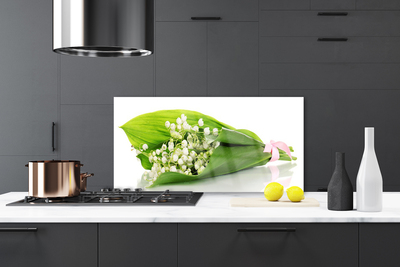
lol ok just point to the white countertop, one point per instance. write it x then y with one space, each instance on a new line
211 208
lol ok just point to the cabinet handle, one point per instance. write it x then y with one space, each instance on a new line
266 229
333 13
332 39
52 136
18 229
206 18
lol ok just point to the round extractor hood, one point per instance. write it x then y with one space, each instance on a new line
103 28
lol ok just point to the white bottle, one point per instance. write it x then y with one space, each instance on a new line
369 177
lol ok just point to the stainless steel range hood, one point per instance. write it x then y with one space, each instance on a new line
103 28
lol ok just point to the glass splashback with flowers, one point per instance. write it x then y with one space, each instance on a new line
208 144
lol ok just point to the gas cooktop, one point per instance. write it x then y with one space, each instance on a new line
118 197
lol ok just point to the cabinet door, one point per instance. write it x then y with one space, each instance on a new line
181 59
379 244
333 4
309 23
87 135
232 58
228 10
378 4
28 75
48 245
86 80
267 245
138 245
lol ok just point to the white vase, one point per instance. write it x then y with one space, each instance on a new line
369 177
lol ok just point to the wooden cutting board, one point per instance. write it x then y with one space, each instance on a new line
263 202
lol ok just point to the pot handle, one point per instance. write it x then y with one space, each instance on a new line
86 175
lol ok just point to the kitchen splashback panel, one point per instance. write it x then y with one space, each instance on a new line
217 145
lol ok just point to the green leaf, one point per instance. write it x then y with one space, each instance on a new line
249 133
150 128
236 152
144 160
235 137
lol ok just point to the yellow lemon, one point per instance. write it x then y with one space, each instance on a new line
295 194
273 191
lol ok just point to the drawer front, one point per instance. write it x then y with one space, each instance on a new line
263 245
378 4
227 10
329 76
333 4
309 23
48 245
309 49
284 4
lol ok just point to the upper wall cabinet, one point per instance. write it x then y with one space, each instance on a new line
329 24
204 48
378 4
87 80
284 4
333 4
307 4
228 10
28 75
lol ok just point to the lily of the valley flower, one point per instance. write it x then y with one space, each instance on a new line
178 154
201 122
215 131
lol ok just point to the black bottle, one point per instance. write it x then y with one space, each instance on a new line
340 190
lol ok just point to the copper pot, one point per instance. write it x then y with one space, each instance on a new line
56 178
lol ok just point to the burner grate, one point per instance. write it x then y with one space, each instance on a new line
109 196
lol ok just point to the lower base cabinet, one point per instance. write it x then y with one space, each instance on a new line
199 244
263 245
379 244
48 245
145 245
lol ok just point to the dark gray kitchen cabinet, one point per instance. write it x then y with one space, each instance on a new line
333 4
28 88
378 4
232 59
379 244
87 135
228 10
206 57
86 80
48 245
309 49
284 4
181 59
309 23
267 245
138 244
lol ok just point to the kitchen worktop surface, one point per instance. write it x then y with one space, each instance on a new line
211 208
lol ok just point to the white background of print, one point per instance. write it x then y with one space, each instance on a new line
271 118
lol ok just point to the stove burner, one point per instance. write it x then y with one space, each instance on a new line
126 196
54 200
110 199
